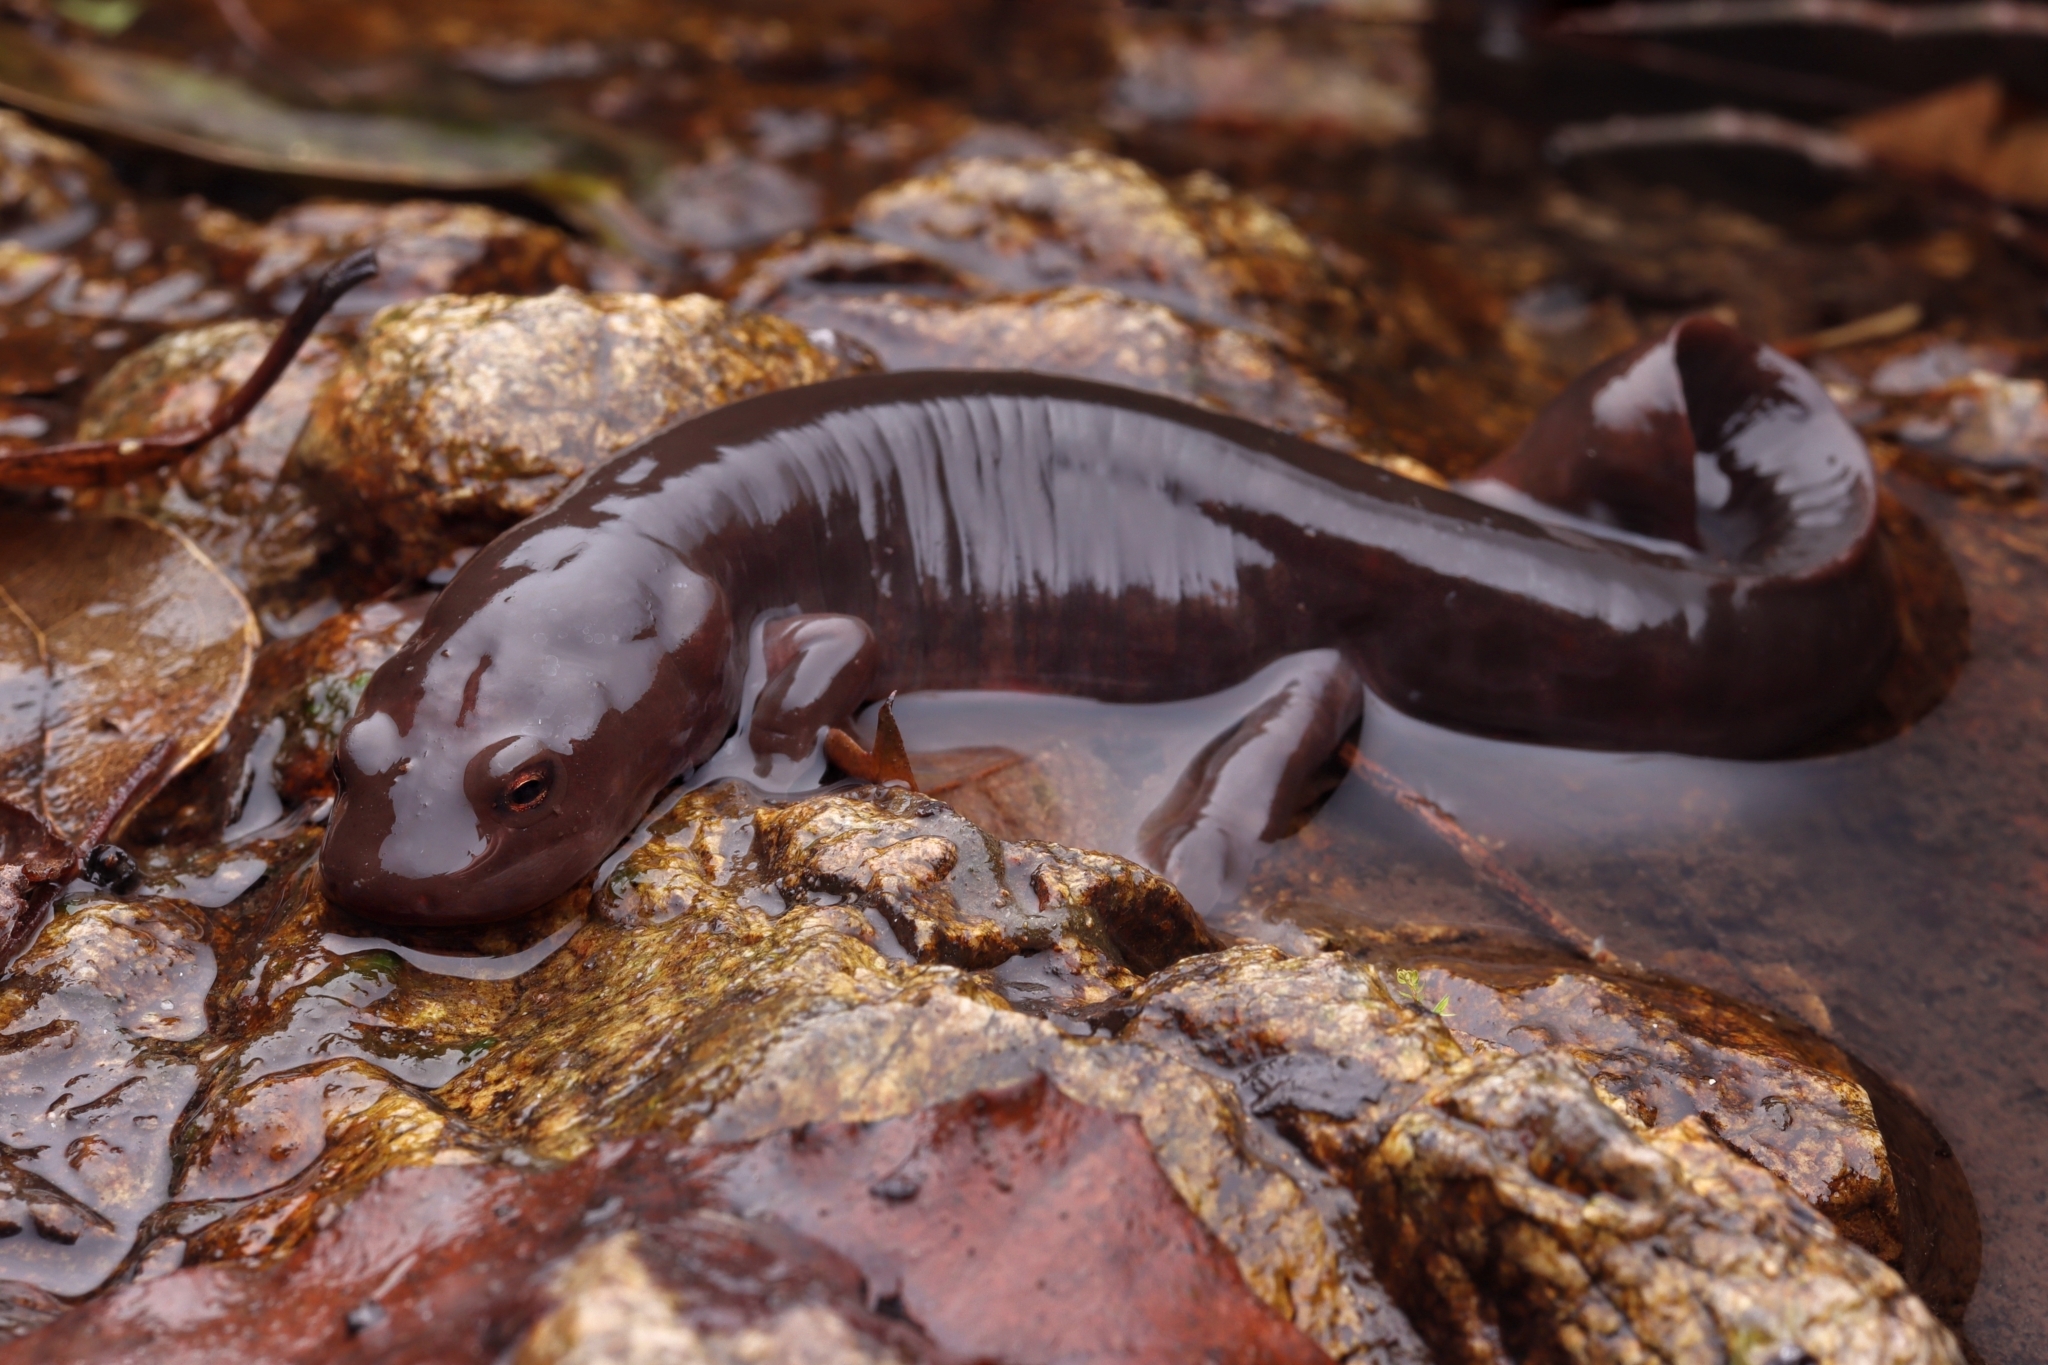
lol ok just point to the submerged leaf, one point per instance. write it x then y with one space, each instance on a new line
118 637
109 17
214 117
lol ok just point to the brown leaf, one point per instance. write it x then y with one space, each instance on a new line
1061 1203
1966 132
116 635
892 760
186 109
28 843
888 762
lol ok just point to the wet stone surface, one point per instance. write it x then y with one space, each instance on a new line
454 418
423 246
102 1014
228 496
1085 218
1087 265
753 971
657 1250
1091 334
91 271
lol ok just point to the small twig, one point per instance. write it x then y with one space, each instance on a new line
84 463
1477 856
1708 127
1892 322
1896 21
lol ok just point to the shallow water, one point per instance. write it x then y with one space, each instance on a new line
1892 896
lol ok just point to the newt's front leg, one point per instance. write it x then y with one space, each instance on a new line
1247 785
818 668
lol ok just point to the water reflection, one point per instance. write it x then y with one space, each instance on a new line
467 966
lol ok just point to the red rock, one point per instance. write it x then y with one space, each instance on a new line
1016 1226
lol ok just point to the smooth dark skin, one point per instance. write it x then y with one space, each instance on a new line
1021 531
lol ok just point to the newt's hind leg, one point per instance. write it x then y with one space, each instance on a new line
1248 784
819 668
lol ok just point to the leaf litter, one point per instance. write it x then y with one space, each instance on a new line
124 650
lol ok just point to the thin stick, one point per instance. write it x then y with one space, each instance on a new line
84 463
1892 322
1478 857
1713 127
1896 21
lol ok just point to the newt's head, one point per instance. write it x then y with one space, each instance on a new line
560 680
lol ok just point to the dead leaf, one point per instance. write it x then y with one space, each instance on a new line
217 118
1966 132
1099 1257
34 860
116 635
888 762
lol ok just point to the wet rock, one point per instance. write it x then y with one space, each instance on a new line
732 203
1001 1180
1091 334
24 1308
617 1257
754 969
1988 431
950 894
99 1014
834 263
227 495
1969 416
1520 1218
843 1243
1002 141
1663 1052
86 271
1351 1089
52 191
24 271
1088 265
424 247
1032 224
274 1127
277 756
1325 79
457 417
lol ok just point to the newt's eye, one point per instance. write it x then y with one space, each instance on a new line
528 789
